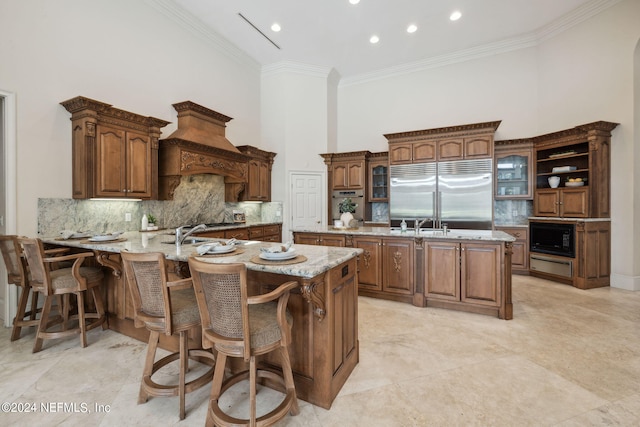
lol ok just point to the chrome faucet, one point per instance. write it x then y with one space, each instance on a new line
419 224
181 238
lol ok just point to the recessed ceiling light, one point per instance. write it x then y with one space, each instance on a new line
275 27
455 15
374 39
354 1
412 28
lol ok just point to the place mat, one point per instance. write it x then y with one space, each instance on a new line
102 242
298 259
236 251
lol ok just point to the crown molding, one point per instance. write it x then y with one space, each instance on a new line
196 27
531 39
298 68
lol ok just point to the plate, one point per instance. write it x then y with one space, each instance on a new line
222 249
80 235
574 184
276 256
104 238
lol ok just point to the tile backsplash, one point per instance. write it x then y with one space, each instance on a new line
198 199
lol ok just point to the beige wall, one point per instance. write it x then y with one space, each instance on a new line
121 52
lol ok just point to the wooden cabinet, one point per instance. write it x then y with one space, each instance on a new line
463 272
398 266
472 141
114 152
370 262
378 182
520 255
348 175
319 239
237 233
513 169
258 186
562 202
580 158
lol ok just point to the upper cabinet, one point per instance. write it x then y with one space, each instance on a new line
572 172
472 141
513 169
114 152
258 186
347 171
378 184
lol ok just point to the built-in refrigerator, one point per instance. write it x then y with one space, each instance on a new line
456 193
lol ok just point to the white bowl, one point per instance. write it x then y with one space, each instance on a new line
272 256
574 184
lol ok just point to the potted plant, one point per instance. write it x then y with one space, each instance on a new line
347 208
152 222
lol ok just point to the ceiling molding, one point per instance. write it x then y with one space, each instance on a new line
531 39
296 67
195 26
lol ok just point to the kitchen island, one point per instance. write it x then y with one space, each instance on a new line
324 347
467 270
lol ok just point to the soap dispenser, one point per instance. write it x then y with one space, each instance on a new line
403 226
145 222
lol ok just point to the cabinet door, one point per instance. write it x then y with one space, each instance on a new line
306 238
513 180
340 176
442 270
397 269
265 182
520 249
400 153
332 240
238 233
138 164
451 149
111 166
256 232
369 267
478 147
259 181
574 202
424 152
378 182
356 175
480 274
547 202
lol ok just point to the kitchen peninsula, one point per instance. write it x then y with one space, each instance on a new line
324 347
467 270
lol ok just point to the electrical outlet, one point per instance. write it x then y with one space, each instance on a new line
127 216
278 214
514 213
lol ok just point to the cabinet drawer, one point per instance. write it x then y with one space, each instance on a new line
271 229
238 233
255 233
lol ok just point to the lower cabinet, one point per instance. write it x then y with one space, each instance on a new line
319 239
463 272
264 233
520 255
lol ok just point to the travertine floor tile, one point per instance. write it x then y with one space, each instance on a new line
568 358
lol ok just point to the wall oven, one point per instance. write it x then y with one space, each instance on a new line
552 238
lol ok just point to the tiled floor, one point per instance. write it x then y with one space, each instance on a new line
569 358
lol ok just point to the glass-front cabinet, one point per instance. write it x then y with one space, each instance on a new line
513 174
378 180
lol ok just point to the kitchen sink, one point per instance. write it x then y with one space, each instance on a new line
189 241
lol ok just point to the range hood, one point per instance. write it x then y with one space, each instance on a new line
199 146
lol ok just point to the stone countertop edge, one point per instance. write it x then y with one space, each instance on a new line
319 258
553 218
453 234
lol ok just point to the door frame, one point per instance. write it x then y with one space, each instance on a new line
286 229
9 141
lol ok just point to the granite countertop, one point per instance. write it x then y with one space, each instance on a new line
452 234
549 218
319 258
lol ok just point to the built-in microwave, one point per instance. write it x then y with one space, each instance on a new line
552 238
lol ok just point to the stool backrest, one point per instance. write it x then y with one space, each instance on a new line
13 261
39 277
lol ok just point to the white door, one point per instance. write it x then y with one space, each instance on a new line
308 203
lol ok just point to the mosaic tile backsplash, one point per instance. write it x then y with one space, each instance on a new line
198 199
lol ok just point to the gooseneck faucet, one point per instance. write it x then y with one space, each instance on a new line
418 224
181 238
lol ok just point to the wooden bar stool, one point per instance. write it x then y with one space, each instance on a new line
17 275
237 325
75 280
168 308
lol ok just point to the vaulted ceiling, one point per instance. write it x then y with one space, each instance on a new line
336 34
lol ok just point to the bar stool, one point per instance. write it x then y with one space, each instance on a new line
17 275
75 280
240 326
168 308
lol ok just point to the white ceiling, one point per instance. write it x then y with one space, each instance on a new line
335 34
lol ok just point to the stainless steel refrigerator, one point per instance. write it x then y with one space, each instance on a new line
456 193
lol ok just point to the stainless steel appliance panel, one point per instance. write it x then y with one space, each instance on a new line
465 193
412 191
